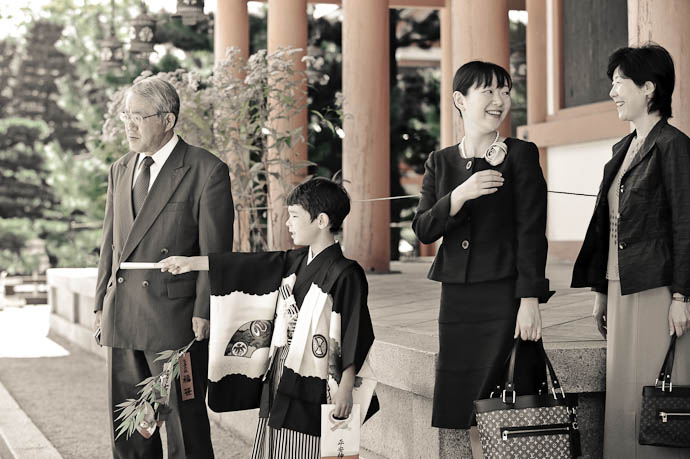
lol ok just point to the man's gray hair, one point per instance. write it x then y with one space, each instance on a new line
163 95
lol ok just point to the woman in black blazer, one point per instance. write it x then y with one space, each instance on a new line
636 254
486 197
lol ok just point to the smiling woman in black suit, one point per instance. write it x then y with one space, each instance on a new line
487 198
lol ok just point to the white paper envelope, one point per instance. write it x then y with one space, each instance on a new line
339 437
139 265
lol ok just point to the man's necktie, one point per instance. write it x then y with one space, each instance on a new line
141 187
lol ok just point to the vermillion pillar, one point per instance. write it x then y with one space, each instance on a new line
287 27
366 146
231 28
449 116
536 68
481 31
665 22
448 111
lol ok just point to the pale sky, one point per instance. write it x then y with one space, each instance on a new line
11 13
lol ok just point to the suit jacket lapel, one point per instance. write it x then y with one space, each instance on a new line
124 200
166 183
611 168
648 144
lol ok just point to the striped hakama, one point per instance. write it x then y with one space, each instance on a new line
270 443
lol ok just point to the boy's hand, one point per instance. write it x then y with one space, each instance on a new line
343 403
180 265
343 396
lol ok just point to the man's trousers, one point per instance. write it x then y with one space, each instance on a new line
187 426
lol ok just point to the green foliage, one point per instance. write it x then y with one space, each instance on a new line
170 29
24 191
518 111
26 198
14 235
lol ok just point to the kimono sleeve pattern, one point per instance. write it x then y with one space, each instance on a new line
350 322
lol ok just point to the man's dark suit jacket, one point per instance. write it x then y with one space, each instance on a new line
497 236
188 211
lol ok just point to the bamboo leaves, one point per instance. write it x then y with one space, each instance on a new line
147 412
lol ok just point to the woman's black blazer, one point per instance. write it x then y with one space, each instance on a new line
497 236
654 210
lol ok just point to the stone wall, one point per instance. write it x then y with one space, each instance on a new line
404 364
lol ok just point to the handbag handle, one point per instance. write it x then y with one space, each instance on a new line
509 385
667 367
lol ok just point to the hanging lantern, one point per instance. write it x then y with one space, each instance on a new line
192 11
111 52
141 34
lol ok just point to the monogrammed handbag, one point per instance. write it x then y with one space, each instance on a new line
541 426
665 413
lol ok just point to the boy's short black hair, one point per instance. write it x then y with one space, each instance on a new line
649 62
322 195
482 74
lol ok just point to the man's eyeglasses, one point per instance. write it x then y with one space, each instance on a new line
136 118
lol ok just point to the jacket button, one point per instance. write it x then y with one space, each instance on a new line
145 284
120 280
164 251
465 244
622 188
112 246
468 166
622 245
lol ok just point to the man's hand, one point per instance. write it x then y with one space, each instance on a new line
528 323
599 312
201 328
679 318
97 320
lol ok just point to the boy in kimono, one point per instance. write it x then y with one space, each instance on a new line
290 331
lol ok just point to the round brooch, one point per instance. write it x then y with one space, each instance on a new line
496 153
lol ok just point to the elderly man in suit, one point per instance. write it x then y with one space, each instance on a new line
165 198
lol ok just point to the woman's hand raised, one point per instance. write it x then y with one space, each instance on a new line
480 184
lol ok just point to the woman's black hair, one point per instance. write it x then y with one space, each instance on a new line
649 62
481 74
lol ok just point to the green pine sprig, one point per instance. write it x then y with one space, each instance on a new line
132 411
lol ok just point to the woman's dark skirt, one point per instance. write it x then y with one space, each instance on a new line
476 326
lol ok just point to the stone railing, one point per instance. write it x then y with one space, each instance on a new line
404 364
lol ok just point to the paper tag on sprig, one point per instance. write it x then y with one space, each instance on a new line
186 381
165 382
147 425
